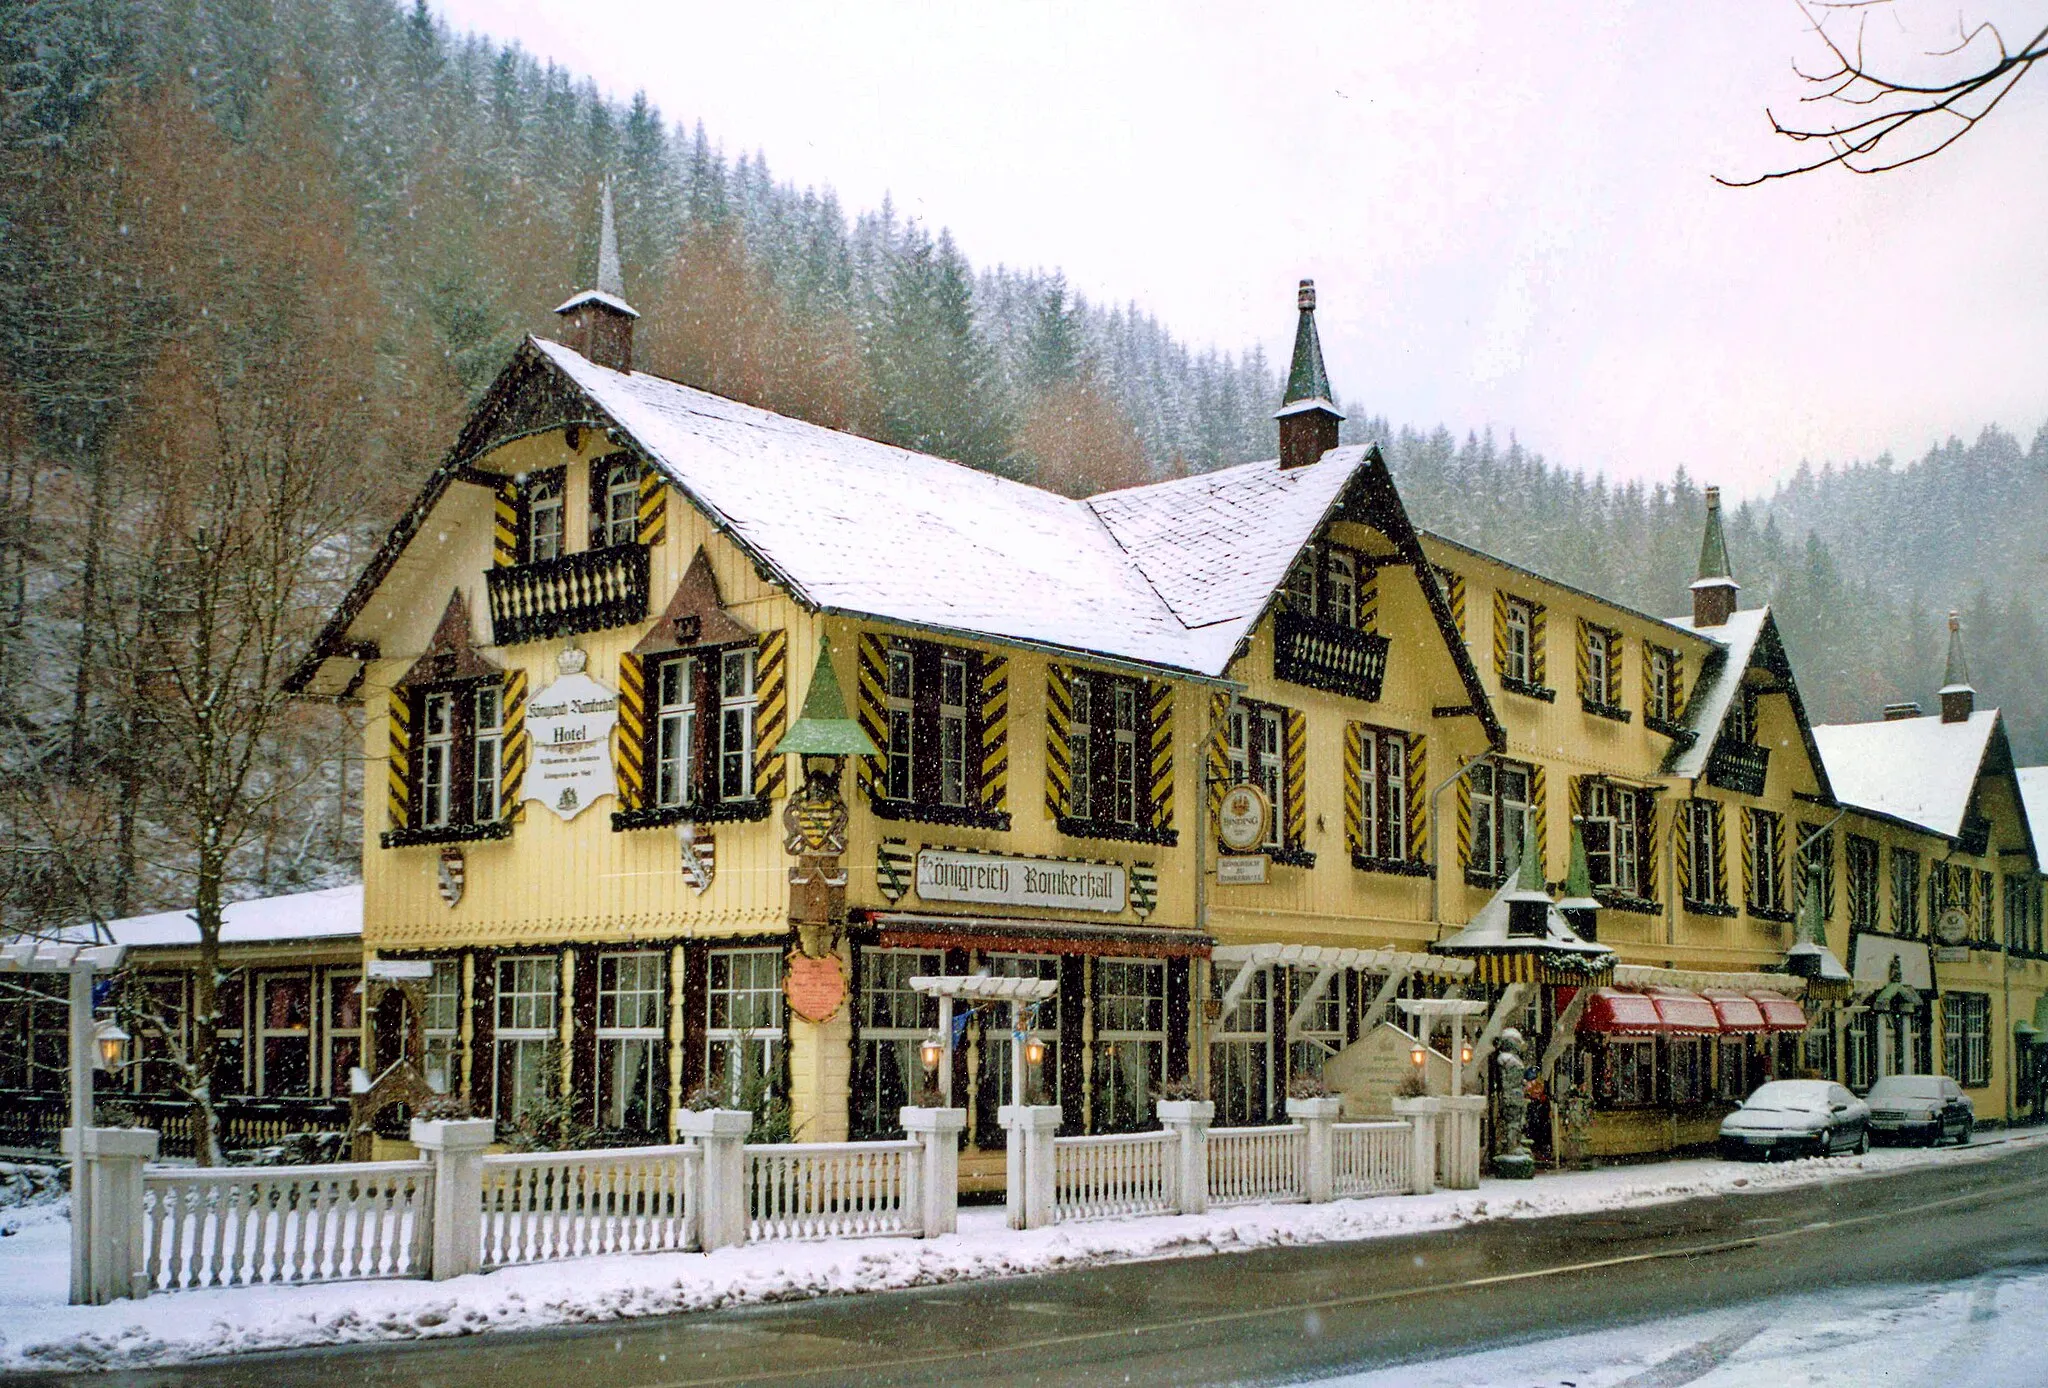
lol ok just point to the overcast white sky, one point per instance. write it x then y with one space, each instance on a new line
1508 210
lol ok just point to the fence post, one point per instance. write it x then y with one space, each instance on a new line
1188 1120
1459 1130
109 1172
1318 1181
1032 1189
456 1217
722 1133
939 1130
1421 1116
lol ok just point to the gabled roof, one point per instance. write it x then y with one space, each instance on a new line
1747 640
1171 576
1920 771
2033 782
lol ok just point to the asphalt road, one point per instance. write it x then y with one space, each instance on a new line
1266 1316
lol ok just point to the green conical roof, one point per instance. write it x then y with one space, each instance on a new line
1529 872
1578 881
1957 675
1810 930
823 729
1307 381
1714 566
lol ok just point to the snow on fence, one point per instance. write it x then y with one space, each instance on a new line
817 1190
540 1208
1370 1158
1108 1177
241 1226
1250 1166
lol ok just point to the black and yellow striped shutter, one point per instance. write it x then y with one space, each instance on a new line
398 779
1159 722
1369 600
1218 751
1677 687
1454 594
872 673
1354 791
1418 802
1720 830
1586 691
1059 719
771 712
1295 769
995 733
512 766
1538 621
629 741
1681 848
1614 650
1749 857
1500 632
1646 848
652 524
1540 816
505 523
1465 823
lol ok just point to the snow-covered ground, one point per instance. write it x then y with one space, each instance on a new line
1985 1332
38 1330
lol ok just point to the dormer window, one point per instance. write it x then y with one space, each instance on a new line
540 536
614 502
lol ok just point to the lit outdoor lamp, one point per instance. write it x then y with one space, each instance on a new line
111 1042
1465 1053
1418 1055
1034 1050
932 1050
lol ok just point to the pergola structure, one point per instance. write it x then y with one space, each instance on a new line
1020 993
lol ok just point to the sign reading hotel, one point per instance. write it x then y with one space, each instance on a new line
569 726
996 880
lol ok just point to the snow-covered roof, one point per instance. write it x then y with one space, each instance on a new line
2034 800
331 913
1707 706
597 296
1487 931
1919 770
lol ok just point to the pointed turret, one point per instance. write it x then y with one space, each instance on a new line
1580 908
1308 414
1528 901
1713 592
1810 958
599 322
823 729
1958 698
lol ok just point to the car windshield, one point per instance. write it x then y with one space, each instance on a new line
1906 1087
1799 1096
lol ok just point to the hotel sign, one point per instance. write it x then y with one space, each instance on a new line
570 725
997 880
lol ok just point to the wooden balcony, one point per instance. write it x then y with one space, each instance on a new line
590 591
1738 766
1328 656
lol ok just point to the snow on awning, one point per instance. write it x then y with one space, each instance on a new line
1685 1014
1618 1012
1738 1013
1780 1012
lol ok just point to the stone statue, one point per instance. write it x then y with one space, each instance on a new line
1513 1160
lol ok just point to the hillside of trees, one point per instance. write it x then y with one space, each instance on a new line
256 260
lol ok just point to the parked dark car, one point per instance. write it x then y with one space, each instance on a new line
1800 1118
1920 1108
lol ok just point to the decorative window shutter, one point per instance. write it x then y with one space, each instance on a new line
1539 813
1465 823
1681 831
1646 847
505 524
1354 788
399 779
1749 856
1455 594
1677 687
1219 750
1159 722
1369 600
1059 719
771 710
1614 650
1650 679
593 515
653 522
1295 768
874 665
1586 690
995 733
1720 828
1538 622
1418 805
512 773
1500 632
629 744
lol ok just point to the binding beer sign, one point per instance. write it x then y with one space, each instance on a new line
1243 817
569 727
1055 884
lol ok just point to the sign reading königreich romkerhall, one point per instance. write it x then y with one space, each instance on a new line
1004 881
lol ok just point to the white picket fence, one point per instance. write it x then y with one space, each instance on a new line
1258 1166
1111 1176
243 1226
1370 1158
823 1190
540 1208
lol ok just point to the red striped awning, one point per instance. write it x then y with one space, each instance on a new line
1780 1012
1619 1012
1685 1014
1738 1013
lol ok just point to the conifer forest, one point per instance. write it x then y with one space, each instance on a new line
258 256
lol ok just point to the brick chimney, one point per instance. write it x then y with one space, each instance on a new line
599 322
1958 699
1308 417
1713 592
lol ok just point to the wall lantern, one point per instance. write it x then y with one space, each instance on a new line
1465 1053
1418 1055
932 1050
1034 1050
112 1044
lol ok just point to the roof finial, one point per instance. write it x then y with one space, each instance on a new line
1958 698
1713 592
609 278
1308 413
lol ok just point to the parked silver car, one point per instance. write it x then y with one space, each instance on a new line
1797 1118
1920 1108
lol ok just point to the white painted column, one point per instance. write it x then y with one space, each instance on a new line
456 1148
722 1191
939 1130
1421 1117
81 1120
106 1165
1031 1189
1318 1183
1189 1120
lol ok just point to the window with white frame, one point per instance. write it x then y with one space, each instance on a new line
1340 588
1686 1058
2019 912
743 1023
1599 661
1520 632
525 1038
1130 1041
1123 731
1966 1038
1383 794
437 759
1320 1034
541 501
631 999
489 761
1708 885
952 730
1500 815
1766 831
1627 1072
1859 1050
620 521
901 777
1663 684
736 724
1732 1069
1081 747
459 755
1905 892
675 730
344 1030
1614 831
1241 1054
1819 1046
1860 861
893 1021
284 1034
441 1027
1269 765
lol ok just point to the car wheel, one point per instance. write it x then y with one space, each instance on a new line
1863 1142
1969 1126
1827 1143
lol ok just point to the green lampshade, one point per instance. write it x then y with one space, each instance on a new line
823 728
